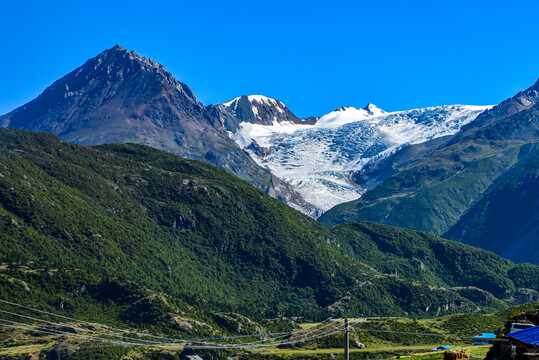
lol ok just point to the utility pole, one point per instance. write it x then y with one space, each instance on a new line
346 341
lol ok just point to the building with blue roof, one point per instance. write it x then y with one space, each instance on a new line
528 336
484 339
525 343
443 347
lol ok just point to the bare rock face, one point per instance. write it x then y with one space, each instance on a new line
114 94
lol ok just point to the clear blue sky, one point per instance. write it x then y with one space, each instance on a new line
313 55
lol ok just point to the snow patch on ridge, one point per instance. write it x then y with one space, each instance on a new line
345 115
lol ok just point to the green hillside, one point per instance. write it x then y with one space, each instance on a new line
426 258
195 233
170 224
507 214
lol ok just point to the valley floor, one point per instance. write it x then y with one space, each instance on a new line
382 339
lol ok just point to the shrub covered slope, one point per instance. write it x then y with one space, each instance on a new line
198 234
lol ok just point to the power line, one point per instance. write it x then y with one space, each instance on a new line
281 334
316 331
412 333
328 332
76 328
63 333
77 320
27 327
302 335
303 332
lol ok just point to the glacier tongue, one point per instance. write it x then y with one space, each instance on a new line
317 159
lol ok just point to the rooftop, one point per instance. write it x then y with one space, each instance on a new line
527 336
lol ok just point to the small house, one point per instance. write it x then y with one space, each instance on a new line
443 347
484 339
520 326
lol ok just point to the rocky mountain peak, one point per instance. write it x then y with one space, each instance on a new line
118 84
118 62
374 110
258 109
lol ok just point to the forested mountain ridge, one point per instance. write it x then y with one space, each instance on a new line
199 234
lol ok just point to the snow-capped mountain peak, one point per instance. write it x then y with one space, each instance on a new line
348 114
374 110
258 109
260 99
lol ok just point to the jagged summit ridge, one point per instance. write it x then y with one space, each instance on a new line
132 55
118 58
258 109
117 84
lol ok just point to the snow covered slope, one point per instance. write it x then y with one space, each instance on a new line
316 159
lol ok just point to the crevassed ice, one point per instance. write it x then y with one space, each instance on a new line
317 159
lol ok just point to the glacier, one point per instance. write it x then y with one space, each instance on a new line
318 159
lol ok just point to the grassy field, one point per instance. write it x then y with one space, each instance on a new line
413 352
26 349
